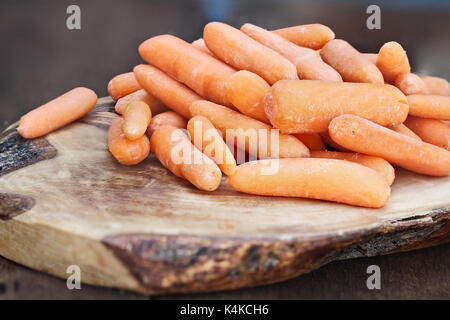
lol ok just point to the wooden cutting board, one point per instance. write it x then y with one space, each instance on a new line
65 201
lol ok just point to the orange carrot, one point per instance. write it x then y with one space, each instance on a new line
372 57
155 105
251 135
325 179
427 106
308 105
168 118
436 86
401 128
169 91
392 61
307 61
378 164
313 36
208 139
122 85
244 53
127 152
175 152
200 45
311 140
325 136
430 130
57 113
199 71
364 136
350 63
136 118
410 83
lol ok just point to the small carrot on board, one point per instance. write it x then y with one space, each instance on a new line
57 113
427 106
372 57
308 105
378 164
168 118
312 140
350 63
242 52
253 136
324 179
175 152
410 83
169 91
307 61
209 140
361 135
136 118
122 85
200 45
154 104
392 61
313 36
127 152
436 86
199 71
430 130
401 128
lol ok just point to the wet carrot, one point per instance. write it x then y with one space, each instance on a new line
154 104
251 135
427 106
200 45
136 118
122 85
410 83
57 113
175 152
350 63
308 63
313 36
401 128
199 71
169 91
243 53
436 86
127 152
324 179
308 105
168 118
430 130
372 57
361 135
392 61
209 140
311 140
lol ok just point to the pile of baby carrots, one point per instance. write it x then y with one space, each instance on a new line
299 84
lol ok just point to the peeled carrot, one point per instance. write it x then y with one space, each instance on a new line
307 61
154 104
325 179
401 128
308 105
378 164
127 152
168 118
350 63
436 86
392 61
57 113
244 53
310 140
122 85
313 36
251 135
169 91
208 139
325 136
136 118
361 135
410 83
200 45
430 130
372 57
199 71
173 148
427 106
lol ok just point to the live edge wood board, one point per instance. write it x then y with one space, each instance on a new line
65 201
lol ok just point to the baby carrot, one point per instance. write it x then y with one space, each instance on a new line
378 164
57 113
364 136
311 140
309 105
168 118
199 71
426 106
372 57
127 152
200 45
410 83
350 63
208 139
122 85
392 61
244 53
169 91
436 86
401 128
430 130
136 118
154 104
307 61
175 152
312 36
325 179
251 135
329 142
